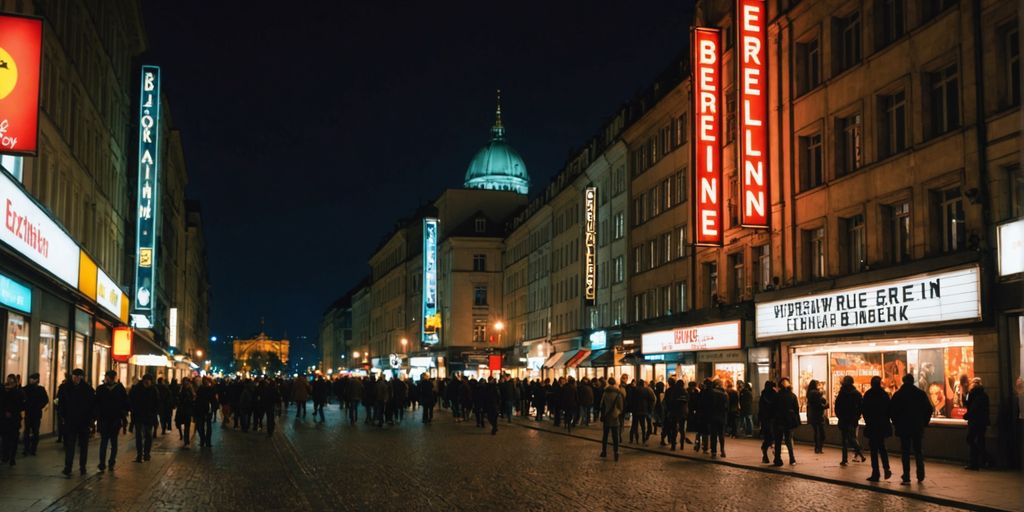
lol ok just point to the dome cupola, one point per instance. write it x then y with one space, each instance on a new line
497 166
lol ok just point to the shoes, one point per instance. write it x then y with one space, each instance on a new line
66 472
145 457
888 474
673 447
764 459
81 471
723 454
859 458
972 468
777 463
843 463
904 481
110 467
138 459
616 456
792 462
873 478
604 455
714 455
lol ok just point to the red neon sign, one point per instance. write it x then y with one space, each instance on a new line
753 117
707 158
122 345
494 363
21 40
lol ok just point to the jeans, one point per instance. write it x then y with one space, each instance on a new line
428 412
569 416
850 440
109 430
31 441
586 411
877 446
143 439
784 436
186 428
76 434
819 437
976 443
318 408
204 427
614 430
639 420
912 444
670 430
767 439
747 422
717 435
165 420
352 406
270 420
300 409
506 408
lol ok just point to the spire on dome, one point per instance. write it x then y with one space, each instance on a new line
498 130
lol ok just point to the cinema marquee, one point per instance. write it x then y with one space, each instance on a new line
707 156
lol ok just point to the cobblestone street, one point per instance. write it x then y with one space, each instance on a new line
414 467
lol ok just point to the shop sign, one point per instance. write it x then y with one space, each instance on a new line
122 346
1011 247
31 232
590 245
707 158
753 118
535 363
494 363
718 336
395 360
146 206
150 360
598 340
720 356
108 294
431 325
421 362
925 298
15 295
172 327
21 40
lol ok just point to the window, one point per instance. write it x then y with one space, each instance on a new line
811 174
618 311
479 262
734 201
943 101
620 225
952 219
1011 54
730 116
682 129
888 22
681 296
762 267
666 299
620 268
666 189
848 144
681 186
480 225
479 295
892 133
855 256
736 265
814 252
846 46
638 301
14 165
1016 195
808 66
932 8
638 254
666 247
711 282
898 232
479 330
681 241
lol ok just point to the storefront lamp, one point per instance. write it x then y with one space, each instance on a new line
122 344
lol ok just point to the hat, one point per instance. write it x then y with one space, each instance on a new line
79 372
34 376
111 374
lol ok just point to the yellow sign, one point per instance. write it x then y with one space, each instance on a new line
145 257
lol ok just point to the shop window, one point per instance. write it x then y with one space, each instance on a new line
892 129
811 173
762 267
479 262
814 253
855 250
16 358
846 46
849 150
479 295
808 66
737 278
943 97
889 26
897 232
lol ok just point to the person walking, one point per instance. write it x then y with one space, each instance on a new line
145 402
12 403
716 405
427 397
746 409
268 398
675 403
816 406
36 399
733 417
585 397
382 396
300 395
877 426
977 423
569 402
353 397
848 409
111 408
910 412
692 399
786 418
508 396
165 401
321 393
206 397
186 403
611 410
766 419
76 403
491 402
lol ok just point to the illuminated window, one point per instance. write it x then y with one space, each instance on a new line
480 295
681 241
479 330
1010 39
620 225
855 255
666 299
738 275
943 112
893 124
762 267
814 252
620 268
898 232
711 282
681 296
952 218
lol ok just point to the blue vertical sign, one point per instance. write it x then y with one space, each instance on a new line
431 324
146 205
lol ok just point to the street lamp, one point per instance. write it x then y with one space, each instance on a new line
355 355
405 342
499 326
199 353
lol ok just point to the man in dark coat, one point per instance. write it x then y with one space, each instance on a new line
786 417
268 398
36 400
145 404
12 403
675 411
165 404
111 408
321 392
569 403
585 396
715 405
877 426
910 411
76 403
202 411
508 396
427 398
977 422
765 417
490 402
848 409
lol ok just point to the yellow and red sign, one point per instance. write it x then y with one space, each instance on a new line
707 158
122 346
753 116
21 40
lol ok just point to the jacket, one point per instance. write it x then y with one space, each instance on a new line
35 400
716 401
766 408
787 410
300 390
205 397
848 405
644 401
111 402
977 407
76 404
425 390
910 411
567 397
12 402
144 403
353 389
383 391
816 406
611 405
876 413
676 399
746 401
585 394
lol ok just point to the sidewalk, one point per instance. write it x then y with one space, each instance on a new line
945 483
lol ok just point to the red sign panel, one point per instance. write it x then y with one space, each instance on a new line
494 363
21 40
122 345
753 117
707 158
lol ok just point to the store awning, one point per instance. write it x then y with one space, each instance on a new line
602 359
575 360
550 363
151 360
566 356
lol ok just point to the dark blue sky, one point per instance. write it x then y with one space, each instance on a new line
309 132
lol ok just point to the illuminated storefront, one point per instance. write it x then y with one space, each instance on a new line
693 353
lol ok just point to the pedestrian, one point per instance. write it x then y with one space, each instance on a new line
202 411
977 422
786 418
611 410
353 396
12 403
910 411
36 400
675 404
269 397
692 399
399 398
321 394
539 398
747 409
111 408
183 418
491 402
382 396
766 419
245 407
733 416
848 408
145 403
585 397
716 406
165 404
816 406
703 405
877 426
60 417
427 397
507 387
76 402
569 403
300 395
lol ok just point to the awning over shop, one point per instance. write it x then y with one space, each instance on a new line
578 358
602 359
151 360
565 357
550 363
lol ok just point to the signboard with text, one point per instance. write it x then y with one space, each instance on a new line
33 234
920 299
707 156
431 324
21 40
146 205
753 118
717 336
1010 236
590 245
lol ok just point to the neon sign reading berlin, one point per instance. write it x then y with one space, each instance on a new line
146 206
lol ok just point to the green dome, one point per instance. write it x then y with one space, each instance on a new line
497 166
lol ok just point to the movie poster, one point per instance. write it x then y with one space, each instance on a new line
812 367
894 367
931 378
959 372
858 365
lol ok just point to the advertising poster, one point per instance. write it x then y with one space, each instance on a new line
811 367
858 365
959 372
894 367
931 378
21 40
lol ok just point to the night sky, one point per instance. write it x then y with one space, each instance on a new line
308 133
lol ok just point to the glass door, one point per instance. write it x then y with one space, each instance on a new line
47 341
16 359
78 356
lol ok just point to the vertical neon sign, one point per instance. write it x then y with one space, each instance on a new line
431 318
146 205
707 158
753 119
590 245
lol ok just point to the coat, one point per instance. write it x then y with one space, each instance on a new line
145 402
300 391
766 408
35 400
786 410
585 395
977 408
425 391
612 401
816 406
910 411
567 397
353 390
746 401
644 400
676 399
848 406
876 413
715 405
76 404
111 402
